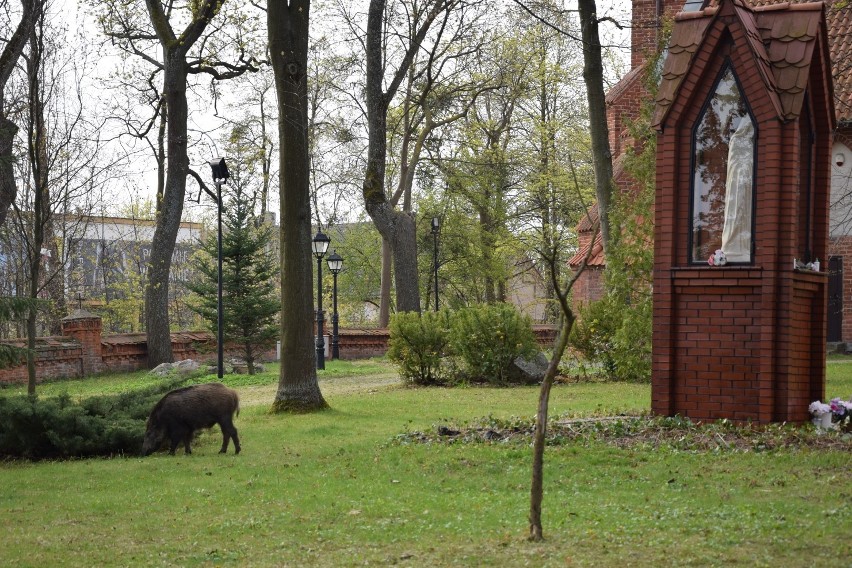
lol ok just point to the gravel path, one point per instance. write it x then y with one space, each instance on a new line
265 394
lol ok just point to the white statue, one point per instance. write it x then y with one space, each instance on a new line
736 232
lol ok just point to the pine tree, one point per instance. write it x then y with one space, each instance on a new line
249 269
13 308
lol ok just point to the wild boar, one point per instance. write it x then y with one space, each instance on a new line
181 412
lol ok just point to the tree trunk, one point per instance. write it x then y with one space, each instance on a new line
386 282
264 159
44 235
170 207
486 242
298 389
169 212
37 150
31 353
537 485
161 155
8 188
31 11
598 130
397 227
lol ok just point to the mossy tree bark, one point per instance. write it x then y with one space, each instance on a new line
298 389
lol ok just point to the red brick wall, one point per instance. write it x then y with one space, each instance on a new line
588 288
363 343
716 339
64 357
68 357
86 329
55 357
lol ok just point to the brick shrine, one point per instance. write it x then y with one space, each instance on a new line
744 117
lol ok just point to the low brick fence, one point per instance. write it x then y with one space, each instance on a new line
363 343
81 350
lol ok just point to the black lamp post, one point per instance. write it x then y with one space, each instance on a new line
319 245
436 224
335 265
220 175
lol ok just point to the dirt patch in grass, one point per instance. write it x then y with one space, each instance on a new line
677 433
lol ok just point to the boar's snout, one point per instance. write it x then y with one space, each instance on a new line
153 440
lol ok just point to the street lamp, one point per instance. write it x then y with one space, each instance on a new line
436 224
335 265
220 175
319 245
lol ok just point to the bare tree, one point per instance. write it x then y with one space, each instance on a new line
562 292
396 227
62 168
602 159
194 50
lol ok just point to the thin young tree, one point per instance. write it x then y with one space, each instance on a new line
562 292
59 173
287 25
602 158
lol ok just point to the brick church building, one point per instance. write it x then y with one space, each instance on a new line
623 104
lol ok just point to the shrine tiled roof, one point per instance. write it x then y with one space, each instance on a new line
781 36
838 15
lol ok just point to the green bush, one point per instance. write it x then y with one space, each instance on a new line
417 345
632 343
59 427
593 332
616 337
488 338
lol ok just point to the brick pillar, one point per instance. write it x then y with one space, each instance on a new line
86 328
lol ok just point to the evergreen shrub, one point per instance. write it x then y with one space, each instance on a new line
60 427
632 343
475 344
417 345
488 338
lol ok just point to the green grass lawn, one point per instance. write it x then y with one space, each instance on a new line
335 489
